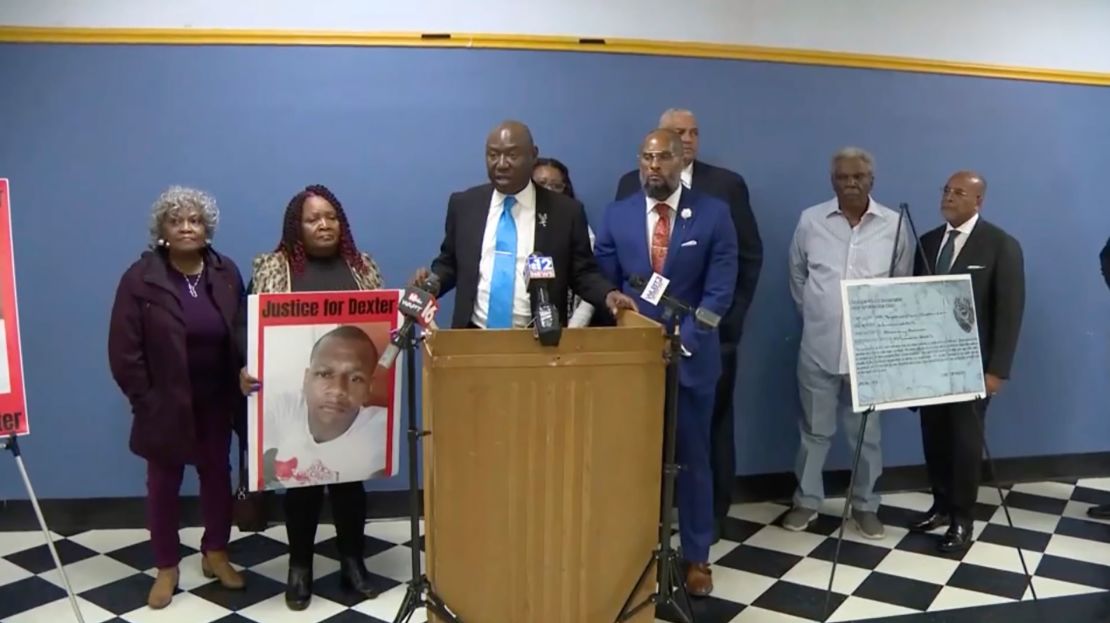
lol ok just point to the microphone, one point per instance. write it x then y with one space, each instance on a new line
418 305
539 270
654 291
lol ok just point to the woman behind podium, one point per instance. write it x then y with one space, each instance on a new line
555 176
317 253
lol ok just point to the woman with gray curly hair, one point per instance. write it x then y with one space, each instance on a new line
173 353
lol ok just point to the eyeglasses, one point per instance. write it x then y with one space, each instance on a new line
660 156
959 192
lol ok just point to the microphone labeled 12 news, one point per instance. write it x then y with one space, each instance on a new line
539 271
418 305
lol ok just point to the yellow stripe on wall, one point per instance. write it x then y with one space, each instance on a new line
189 36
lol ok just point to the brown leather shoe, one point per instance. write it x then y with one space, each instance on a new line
161 594
699 580
216 565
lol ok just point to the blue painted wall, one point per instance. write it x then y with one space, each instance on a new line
90 135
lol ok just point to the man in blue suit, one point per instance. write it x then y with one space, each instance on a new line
688 238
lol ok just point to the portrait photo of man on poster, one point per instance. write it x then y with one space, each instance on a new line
330 425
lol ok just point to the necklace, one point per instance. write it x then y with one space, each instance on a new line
192 284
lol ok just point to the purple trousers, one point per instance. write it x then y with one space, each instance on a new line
163 489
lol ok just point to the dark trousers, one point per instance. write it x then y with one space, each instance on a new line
952 436
722 434
163 487
302 515
694 489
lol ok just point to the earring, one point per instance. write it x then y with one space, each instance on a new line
162 242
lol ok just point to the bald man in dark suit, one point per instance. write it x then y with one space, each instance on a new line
952 434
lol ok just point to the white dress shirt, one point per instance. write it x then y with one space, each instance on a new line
961 240
653 216
524 214
688 176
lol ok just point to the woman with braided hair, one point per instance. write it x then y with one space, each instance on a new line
317 253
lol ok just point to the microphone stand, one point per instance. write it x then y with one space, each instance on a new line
665 559
420 592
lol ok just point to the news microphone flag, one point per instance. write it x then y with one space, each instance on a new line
655 288
538 267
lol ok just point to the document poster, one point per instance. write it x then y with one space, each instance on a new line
13 403
912 341
325 413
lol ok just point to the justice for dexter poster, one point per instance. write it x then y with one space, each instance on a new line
13 403
325 411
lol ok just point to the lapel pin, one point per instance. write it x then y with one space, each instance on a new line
686 213
542 216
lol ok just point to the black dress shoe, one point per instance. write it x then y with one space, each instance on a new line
1099 512
298 588
929 521
957 539
353 576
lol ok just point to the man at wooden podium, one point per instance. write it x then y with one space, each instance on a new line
491 230
688 238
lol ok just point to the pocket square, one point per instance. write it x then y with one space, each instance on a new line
690 243
975 267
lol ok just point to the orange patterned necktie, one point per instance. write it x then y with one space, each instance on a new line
660 237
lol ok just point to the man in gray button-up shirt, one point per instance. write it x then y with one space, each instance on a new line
849 237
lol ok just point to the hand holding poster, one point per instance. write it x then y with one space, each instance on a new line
912 341
325 412
13 406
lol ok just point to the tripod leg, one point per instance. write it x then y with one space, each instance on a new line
46 534
436 606
847 505
408 605
680 588
625 614
1005 506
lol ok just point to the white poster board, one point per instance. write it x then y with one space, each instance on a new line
912 341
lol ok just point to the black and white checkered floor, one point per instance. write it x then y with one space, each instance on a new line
762 573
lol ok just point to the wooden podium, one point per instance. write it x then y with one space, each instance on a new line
542 471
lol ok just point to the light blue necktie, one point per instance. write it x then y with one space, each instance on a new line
504 270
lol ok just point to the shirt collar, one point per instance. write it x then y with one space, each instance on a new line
834 208
966 228
688 175
526 198
671 201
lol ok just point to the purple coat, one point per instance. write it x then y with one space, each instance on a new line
147 353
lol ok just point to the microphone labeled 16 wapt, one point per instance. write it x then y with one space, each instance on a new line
539 272
418 307
654 291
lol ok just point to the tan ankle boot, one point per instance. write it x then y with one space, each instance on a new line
161 594
216 565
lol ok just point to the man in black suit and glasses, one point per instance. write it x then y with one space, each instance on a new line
729 187
952 434
1103 512
491 229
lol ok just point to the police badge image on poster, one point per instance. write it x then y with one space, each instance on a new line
325 412
13 404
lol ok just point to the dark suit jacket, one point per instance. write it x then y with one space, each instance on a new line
729 187
998 283
564 238
1104 257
